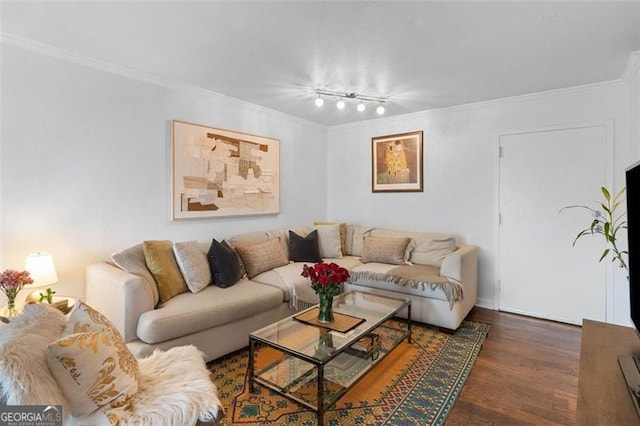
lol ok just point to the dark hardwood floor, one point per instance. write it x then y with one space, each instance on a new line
526 373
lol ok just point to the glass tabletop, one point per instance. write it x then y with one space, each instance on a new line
304 339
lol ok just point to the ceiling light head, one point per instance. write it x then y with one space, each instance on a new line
361 106
340 104
319 101
380 109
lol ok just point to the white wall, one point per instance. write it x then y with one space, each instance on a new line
85 162
460 191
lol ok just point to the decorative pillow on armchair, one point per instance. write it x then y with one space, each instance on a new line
93 369
91 362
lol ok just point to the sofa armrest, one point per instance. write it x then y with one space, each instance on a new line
462 265
119 295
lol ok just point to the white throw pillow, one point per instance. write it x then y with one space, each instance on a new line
193 264
329 241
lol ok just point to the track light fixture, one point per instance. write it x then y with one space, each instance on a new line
341 104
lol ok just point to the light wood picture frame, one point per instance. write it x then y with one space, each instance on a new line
222 173
397 163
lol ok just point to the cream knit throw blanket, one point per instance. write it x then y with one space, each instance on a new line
415 276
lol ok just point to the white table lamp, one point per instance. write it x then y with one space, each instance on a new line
43 272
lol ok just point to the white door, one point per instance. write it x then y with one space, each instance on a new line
541 274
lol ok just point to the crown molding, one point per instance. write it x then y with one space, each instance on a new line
630 73
476 105
69 56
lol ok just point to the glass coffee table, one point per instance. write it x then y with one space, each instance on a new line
315 366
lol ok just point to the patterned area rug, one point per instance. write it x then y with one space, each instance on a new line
414 384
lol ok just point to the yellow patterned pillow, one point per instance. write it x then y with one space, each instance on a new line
93 369
85 319
162 263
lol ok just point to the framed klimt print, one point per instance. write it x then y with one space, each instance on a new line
396 164
222 173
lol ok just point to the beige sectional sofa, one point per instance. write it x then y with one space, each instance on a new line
436 273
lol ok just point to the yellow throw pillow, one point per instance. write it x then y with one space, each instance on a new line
93 370
343 234
161 261
84 319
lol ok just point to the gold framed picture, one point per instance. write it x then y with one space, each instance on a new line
397 163
221 173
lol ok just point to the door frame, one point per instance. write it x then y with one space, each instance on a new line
609 163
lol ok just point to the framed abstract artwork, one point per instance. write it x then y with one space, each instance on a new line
396 163
222 173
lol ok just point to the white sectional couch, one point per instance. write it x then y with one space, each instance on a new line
441 282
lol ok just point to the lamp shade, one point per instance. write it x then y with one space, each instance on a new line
42 269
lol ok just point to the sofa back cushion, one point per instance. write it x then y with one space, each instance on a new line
132 260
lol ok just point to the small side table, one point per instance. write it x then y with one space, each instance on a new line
63 303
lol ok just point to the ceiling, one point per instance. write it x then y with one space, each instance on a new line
418 55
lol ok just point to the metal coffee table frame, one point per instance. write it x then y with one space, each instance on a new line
301 349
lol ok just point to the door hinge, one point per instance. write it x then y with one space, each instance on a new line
499 218
500 151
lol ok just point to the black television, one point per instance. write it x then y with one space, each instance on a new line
630 364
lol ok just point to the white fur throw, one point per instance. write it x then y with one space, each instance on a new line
175 388
24 373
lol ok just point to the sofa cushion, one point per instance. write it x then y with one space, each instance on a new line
385 250
193 264
132 260
261 257
214 306
224 264
163 266
329 241
304 249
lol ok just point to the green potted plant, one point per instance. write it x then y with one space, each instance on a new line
607 224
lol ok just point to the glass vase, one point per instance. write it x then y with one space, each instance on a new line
11 310
325 309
